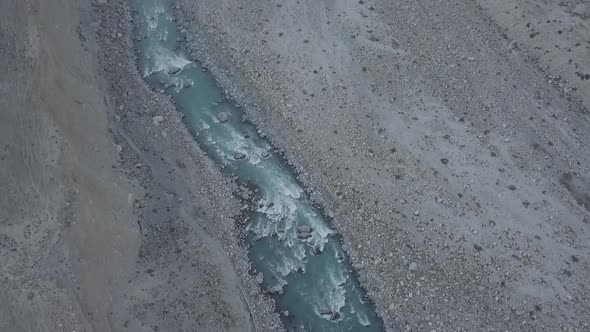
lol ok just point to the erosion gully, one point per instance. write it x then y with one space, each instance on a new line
296 256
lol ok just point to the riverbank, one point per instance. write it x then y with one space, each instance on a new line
195 267
111 221
68 237
454 169
455 172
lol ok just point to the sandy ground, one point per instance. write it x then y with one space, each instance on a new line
434 139
449 139
68 237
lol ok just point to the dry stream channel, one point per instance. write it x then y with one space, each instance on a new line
295 254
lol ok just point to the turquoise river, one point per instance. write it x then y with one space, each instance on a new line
290 241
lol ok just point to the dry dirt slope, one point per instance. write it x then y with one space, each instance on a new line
68 237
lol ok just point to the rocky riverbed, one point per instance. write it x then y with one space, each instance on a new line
446 140
442 153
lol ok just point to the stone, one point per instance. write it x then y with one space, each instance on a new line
304 229
259 278
222 117
276 289
304 235
513 45
239 156
413 266
362 278
335 315
157 120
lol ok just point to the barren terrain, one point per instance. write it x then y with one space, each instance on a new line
449 140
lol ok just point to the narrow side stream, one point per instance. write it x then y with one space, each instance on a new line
290 242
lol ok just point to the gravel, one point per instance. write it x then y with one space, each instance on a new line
358 96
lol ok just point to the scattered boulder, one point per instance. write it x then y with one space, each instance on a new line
276 289
239 156
157 120
259 278
304 232
413 266
304 229
222 117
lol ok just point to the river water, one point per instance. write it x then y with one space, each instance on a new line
290 242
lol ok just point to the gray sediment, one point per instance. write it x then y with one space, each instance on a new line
365 135
183 197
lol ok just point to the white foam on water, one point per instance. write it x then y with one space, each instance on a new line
337 277
363 319
299 253
164 60
337 298
278 209
321 230
153 17
204 125
287 265
179 83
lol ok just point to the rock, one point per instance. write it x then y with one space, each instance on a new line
513 45
157 120
222 117
259 278
304 229
304 235
277 289
265 154
362 278
582 10
119 148
413 266
512 187
416 213
470 58
304 232
444 161
335 315
286 313
325 311
239 156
